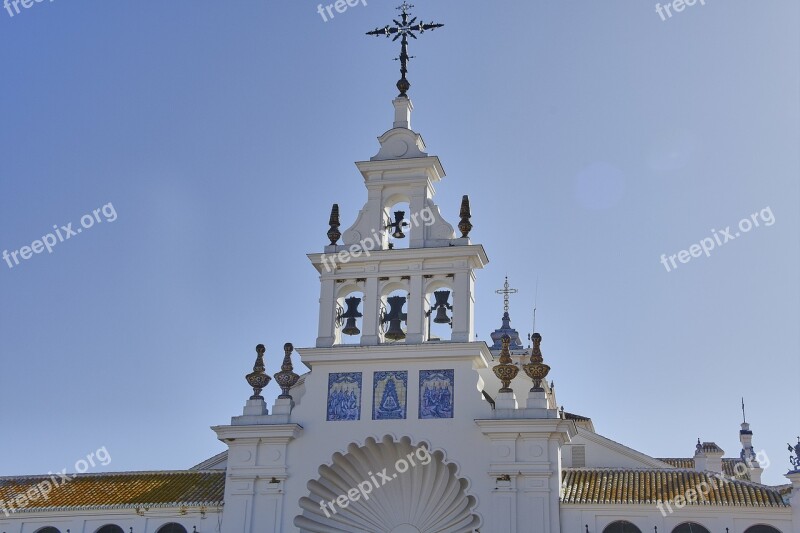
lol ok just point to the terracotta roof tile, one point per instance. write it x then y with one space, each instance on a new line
121 490
622 486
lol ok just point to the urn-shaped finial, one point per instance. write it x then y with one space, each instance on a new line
536 369
286 378
506 371
333 233
465 226
258 379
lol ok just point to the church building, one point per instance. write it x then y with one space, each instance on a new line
405 422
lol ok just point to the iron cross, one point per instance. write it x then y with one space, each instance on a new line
505 291
404 29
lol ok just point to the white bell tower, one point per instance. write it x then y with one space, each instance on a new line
373 290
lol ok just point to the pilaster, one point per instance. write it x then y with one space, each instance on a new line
794 478
256 475
526 467
416 313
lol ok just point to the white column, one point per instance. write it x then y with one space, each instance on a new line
503 517
416 316
369 324
416 204
504 507
326 334
536 496
463 306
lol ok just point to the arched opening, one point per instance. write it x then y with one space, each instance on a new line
110 528
172 527
349 316
438 311
398 224
762 528
394 315
690 527
421 492
621 526
48 529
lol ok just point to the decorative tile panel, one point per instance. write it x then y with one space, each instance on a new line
389 395
436 394
344 396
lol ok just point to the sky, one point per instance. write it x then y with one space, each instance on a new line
199 146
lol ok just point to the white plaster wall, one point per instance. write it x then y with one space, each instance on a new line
91 521
602 452
646 517
459 437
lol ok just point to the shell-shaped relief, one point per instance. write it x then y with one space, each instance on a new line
399 488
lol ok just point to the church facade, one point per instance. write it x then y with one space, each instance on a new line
405 423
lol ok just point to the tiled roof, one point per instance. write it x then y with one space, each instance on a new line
577 418
620 486
120 490
679 462
710 447
728 465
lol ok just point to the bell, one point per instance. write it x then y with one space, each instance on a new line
441 316
398 225
394 317
441 307
351 314
350 327
395 332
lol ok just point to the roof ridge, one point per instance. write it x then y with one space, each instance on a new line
671 470
209 503
114 473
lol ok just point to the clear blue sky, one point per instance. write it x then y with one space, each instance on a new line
592 137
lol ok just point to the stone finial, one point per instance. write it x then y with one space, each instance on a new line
465 226
536 369
334 234
506 371
258 379
286 378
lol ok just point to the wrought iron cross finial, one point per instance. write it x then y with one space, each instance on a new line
744 414
505 291
404 29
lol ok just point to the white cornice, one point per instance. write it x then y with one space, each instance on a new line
430 164
474 253
279 433
477 352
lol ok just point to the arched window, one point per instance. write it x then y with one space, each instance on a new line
399 223
394 313
621 526
110 528
172 527
761 528
438 309
349 307
48 529
690 527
